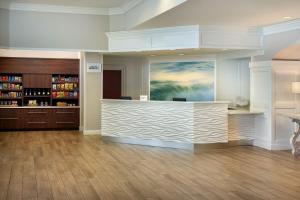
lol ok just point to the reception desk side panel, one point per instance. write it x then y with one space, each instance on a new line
210 123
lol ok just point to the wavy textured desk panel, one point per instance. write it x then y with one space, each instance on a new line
165 121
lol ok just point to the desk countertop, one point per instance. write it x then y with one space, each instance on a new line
174 102
40 107
244 112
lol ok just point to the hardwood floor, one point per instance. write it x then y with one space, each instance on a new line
67 165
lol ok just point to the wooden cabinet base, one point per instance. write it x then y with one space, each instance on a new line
39 118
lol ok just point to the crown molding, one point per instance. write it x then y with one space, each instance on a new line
282 27
71 9
147 32
124 8
58 9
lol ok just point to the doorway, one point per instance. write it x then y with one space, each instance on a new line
112 84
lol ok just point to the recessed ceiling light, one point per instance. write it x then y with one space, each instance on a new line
152 55
181 54
224 49
287 17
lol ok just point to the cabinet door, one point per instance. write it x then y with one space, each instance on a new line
10 119
37 81
66 118
37 118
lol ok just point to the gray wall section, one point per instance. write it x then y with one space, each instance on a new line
4 28
58 30
92 93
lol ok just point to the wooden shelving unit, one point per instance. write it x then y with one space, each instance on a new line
65 90
11 90
35 84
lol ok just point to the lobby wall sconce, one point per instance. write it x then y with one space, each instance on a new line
296 87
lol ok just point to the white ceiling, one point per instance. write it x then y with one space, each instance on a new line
76 3
227 13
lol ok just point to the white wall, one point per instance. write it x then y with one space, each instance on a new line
284 101
233 79
261 100
57 30
271 92
133 69
4 27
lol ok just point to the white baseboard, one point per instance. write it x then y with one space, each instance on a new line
262 144
91 132
281 145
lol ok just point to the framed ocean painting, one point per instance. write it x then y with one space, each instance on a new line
193 80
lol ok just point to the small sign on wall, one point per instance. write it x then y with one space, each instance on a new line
94 67
143 98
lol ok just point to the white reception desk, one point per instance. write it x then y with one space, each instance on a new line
173 124
187 125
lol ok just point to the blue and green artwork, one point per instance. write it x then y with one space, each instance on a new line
191 80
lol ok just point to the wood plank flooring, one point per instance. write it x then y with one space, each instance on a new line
66 165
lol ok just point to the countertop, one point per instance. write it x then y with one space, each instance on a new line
39 107
187 102
291 115
244 112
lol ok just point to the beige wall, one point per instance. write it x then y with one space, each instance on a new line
117 23
232 75
4 27
57 30
92 95
133 73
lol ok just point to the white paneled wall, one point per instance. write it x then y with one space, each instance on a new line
284 101
261 99
233 79
271 91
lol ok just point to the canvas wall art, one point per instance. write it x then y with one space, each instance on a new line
194 81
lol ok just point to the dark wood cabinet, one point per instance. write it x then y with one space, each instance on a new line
65 118
39 118
37 80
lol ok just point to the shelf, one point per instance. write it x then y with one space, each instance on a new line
10 90
65 98
11 82
38 96
65 82
76 90
9 106
10 98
